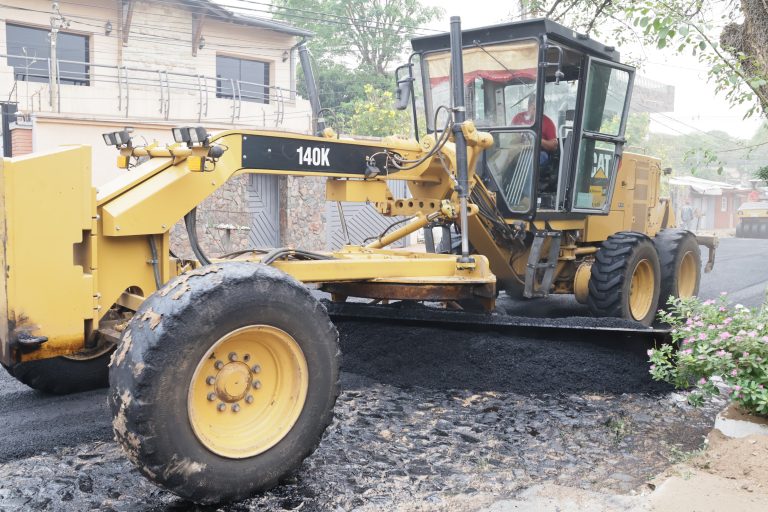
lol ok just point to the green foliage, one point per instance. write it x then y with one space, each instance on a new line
762 173
718 344
373 32
682 26
375 116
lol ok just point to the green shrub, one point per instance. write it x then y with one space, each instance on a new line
716 340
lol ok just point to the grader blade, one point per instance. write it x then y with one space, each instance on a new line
570 327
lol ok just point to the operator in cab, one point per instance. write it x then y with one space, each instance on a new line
548 130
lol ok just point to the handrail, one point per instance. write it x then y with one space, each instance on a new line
170 83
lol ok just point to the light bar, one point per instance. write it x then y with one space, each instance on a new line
190 134
121 138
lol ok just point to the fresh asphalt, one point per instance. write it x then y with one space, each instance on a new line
33 423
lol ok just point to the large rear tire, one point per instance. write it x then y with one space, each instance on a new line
740 230
624 281
680 262
225 381
65 374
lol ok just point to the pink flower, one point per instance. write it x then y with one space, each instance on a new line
702 336
708 302
687 352
760 386
702 381
737 388
699 323
712 328
742 332
720 353
745 354
725 335
688 322
723 293
752 334
721 309
728 320
765 339
653 367
650 352
687 341
734 373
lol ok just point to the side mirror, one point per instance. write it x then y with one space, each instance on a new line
403 93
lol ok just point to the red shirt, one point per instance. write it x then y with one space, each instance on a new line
548 130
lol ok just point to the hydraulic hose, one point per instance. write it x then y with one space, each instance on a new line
190 220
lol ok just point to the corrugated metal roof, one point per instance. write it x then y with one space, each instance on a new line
224 14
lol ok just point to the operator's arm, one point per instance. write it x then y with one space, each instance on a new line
548 135
548 145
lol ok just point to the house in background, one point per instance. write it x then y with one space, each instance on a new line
72 70
716 202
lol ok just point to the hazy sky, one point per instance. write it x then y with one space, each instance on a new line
696 104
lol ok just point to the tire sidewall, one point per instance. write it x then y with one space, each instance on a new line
644 250
189 327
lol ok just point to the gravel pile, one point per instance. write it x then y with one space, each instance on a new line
432 419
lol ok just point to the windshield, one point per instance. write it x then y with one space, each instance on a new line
498 79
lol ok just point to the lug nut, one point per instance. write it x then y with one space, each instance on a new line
218 365
211 396
247 357
232 356
210 381
256 368
249 399
235 407
256 384
221 407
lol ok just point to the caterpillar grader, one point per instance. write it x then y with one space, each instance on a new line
224 371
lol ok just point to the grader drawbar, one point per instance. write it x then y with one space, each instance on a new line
224 372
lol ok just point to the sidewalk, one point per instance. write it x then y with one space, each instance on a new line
732 474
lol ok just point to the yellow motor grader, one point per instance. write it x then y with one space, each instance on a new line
224 372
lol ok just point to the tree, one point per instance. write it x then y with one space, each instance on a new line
737 56
373 32
375 116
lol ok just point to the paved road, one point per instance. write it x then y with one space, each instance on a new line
32 423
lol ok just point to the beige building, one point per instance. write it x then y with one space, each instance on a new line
71 70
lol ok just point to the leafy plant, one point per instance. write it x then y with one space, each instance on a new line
375 115
716 343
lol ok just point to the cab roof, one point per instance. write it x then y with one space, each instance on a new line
519 30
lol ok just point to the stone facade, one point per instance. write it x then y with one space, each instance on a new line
223 222
302 212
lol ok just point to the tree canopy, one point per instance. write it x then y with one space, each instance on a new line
372 33
729 37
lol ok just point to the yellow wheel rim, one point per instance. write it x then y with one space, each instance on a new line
248 391
686 275
641 290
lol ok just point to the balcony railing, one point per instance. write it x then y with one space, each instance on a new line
131 86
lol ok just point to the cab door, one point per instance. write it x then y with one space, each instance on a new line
600 134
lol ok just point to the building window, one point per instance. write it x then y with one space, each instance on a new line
29 50
250 79
724 204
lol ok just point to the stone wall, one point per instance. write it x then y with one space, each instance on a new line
223 222
302 212
223 219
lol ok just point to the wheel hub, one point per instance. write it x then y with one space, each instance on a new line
233 382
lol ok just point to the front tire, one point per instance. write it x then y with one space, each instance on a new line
680 261
624 281
63 375
225 381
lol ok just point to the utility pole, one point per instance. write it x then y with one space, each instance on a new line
57 23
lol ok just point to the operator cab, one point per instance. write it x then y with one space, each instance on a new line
555 102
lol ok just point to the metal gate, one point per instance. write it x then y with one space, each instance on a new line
264 206
363 221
